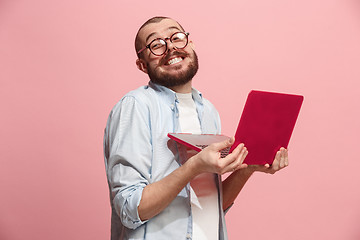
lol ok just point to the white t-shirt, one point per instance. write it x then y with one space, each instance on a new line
204 194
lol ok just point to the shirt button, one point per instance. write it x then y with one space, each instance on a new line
188 236
177 115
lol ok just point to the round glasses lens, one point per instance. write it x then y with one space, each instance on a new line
158 46
179 39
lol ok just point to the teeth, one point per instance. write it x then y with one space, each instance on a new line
174 60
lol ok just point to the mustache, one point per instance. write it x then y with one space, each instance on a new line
177 53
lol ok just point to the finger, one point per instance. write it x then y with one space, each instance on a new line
234 160
244 152
282 158
276 163
242 158
239 163
224 144
230 158
286 157
239 147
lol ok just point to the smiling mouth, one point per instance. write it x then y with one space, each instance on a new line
174 60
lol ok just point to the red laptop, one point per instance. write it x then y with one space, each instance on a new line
266 125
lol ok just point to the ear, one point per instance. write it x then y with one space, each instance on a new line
192 45
141 65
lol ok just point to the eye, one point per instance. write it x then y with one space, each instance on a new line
157 44
178 37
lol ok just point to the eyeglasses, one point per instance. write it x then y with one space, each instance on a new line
158 46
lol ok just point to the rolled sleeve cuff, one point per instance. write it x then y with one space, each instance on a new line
128 209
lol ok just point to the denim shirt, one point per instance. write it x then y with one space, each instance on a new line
138 152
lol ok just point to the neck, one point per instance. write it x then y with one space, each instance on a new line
185 88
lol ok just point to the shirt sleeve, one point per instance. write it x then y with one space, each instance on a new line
128 154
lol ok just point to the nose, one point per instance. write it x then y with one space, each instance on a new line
169 44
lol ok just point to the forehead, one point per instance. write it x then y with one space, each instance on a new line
160 29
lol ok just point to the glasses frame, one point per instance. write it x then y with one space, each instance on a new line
166 45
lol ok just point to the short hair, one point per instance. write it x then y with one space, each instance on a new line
138 43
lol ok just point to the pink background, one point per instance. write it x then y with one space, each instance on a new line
64 64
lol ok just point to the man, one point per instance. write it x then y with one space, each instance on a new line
159 189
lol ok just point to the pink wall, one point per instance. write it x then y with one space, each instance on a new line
64 64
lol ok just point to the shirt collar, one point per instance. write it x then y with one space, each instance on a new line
170 95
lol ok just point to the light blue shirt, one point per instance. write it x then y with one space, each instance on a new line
138 152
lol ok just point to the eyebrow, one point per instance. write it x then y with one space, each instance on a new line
154 33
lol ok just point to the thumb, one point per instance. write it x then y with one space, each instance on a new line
224 144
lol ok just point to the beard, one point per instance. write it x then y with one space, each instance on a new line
182 76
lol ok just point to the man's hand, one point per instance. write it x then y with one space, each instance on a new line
209 159
233 184
158 195
281 161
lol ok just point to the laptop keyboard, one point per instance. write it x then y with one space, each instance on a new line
224 152
201 146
